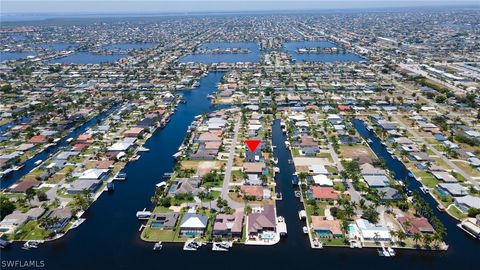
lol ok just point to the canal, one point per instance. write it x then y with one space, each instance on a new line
109 238
28 165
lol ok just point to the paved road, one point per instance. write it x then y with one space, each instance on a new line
438 153
228 169
354 194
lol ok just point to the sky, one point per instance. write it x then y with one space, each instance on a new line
168 6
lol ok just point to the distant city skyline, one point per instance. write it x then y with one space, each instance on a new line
168 6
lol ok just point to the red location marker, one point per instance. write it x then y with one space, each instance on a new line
252 144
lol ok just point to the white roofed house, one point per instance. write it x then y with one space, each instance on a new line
467 202
193 225
370 232
90 180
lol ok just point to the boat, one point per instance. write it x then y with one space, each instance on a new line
391 251
38 162
302 214
305 230
161 184
158 246
69 140
121 176
424 189
192 245
383 252
143 214
298 194
77 223
275 160
222 246
279 196
290 161
282 226
143 149
110 186
177 155
369 140
276 169
31 244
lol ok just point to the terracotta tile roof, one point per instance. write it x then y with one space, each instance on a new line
324 193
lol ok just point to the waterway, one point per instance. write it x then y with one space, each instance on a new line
87 58
461 245
128 46
109 238
13 177
254 55
6 56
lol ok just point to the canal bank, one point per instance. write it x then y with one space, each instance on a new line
44 154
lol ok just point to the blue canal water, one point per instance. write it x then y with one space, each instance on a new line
461 245
207 58
87 58
5 56
109 238
128 46
291 48
13 177
57 46
255 53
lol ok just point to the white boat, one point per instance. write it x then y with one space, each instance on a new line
305 230
143 149
38 162
77 223
222 246
158 246
302 214
143 214
391 251
277 169
31 244
176 155
192 245
369 141
425 190
298 194
275 160
69 140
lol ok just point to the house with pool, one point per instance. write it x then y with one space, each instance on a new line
193 225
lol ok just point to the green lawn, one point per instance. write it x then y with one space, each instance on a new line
30 231
454 211
334 241
152 234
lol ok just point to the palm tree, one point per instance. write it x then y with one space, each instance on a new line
401 236
416 237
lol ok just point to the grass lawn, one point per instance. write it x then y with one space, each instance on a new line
325 155
467 168
426 178
331 169
339 186
161 209
213 195
454 211
334 241
237 176
151 234
30 231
